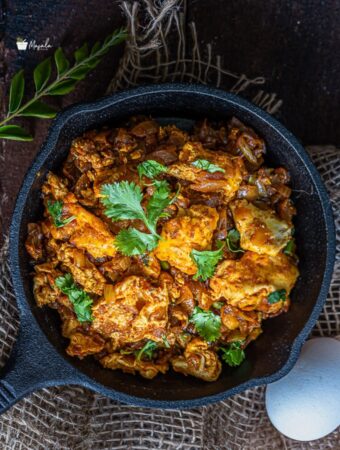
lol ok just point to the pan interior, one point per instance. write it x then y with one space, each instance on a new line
271 350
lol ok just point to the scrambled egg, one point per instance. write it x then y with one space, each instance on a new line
181 235
247 282
226 182
262 231
198 361
132 310
136 313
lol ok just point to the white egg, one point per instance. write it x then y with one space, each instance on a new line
305 404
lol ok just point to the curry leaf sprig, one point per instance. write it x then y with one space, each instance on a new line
80 300
123 201
66 79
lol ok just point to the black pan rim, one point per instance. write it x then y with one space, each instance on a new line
179 88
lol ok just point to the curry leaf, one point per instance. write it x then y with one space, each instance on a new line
63 87
61 61
14 132
165 341
81 53
95 48
80 73
64 83
42 74
39 109
16 92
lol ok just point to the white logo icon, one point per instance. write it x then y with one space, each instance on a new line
21 44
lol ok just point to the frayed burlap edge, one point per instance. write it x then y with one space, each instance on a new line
158 50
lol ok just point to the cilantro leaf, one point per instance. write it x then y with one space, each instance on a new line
276 296
147 350
208 324
55 210
206 262
165 265
124 351
218 305
150 169
132 242
289 249
80 300
233 241
123 201
233 355
165 341
158 202
207 165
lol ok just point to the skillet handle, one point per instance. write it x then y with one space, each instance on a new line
33 364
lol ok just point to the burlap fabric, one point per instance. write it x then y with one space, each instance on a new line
72 417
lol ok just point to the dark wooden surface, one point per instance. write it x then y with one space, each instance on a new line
294 44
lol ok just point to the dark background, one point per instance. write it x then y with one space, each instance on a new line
295 45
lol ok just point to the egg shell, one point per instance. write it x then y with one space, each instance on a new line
305 404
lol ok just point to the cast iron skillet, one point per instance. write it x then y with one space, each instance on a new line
39 357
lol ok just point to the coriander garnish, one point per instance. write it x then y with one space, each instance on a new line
233 355
206 262
123 200
289 249
233 241
276 296
207 324
146 351
132 242
56 211
207 166
150 169
80 300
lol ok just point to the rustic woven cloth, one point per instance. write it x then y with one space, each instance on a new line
72 417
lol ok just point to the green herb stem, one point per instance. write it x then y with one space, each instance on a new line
117 38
